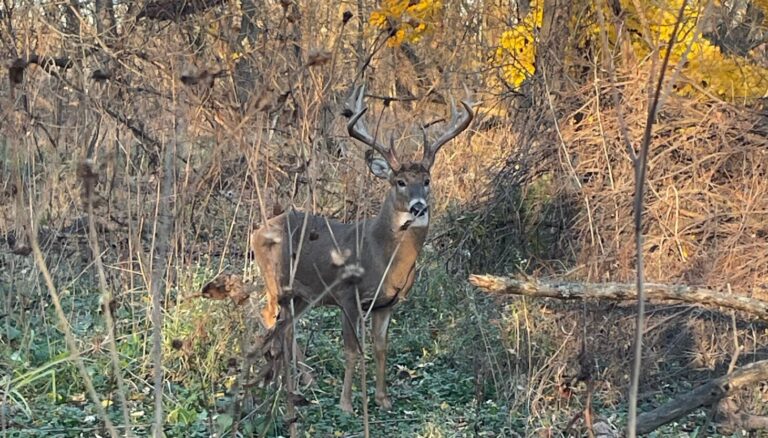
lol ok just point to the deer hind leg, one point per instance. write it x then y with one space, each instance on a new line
267 248
380 325
349 323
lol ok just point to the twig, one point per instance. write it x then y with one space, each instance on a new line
623 129
360 323
289 371
737 348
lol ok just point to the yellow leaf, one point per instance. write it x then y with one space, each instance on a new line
377 19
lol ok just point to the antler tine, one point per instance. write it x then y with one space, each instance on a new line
360 132
459 122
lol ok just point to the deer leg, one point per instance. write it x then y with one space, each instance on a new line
270 311
304 370
349 317
266 247
380 324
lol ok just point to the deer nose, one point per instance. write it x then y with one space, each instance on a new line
419 208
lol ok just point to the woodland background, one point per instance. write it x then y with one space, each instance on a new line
141 141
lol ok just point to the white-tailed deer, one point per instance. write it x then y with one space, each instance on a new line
303 256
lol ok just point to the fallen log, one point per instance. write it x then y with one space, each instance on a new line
618 292
705 395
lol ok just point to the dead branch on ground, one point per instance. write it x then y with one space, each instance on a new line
705 395
619 292
731 418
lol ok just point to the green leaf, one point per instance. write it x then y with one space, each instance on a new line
13 333
224 422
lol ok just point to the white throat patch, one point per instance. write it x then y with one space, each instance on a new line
407 220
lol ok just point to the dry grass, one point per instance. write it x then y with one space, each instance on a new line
707 200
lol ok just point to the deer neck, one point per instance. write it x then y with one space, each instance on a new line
390 235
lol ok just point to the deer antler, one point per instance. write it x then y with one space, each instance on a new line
459 122
360 132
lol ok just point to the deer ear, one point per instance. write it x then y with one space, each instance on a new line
380 168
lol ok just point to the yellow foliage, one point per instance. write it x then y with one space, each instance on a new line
516 52
707 68
408 20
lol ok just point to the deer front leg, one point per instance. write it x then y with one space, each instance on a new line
349 318
304 370
267 250
380 322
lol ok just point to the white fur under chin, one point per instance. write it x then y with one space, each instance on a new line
404 218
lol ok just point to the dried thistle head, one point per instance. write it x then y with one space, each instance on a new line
86 172
346 17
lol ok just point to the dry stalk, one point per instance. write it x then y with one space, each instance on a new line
640 164
360 324
89 179
163 225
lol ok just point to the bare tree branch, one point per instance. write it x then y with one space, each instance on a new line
89 179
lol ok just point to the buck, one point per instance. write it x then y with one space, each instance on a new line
303 256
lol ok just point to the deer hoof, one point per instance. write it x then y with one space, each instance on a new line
384 402
268 318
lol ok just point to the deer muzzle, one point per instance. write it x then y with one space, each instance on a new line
418 208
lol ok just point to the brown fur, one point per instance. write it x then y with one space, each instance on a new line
370 243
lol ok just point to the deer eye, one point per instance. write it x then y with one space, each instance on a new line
400 183
426 182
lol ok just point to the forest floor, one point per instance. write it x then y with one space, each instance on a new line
452 371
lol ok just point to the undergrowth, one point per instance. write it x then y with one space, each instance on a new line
460 364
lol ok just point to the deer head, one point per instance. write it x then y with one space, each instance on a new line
410 181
